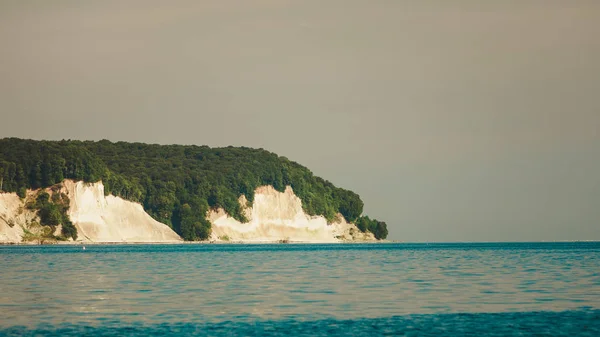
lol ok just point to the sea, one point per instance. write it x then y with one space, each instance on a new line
388 289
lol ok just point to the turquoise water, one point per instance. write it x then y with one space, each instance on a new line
346 289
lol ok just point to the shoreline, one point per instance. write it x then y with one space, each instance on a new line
71 243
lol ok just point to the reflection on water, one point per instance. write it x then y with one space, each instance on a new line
208 284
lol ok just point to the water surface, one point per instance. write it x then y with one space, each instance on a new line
353 289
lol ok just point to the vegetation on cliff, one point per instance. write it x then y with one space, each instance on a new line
176 184
52 211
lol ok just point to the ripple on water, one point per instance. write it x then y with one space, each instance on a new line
568 323
276 286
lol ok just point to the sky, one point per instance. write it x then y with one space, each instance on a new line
455 120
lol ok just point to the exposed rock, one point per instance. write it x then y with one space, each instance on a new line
278 216
100 218
13 216
272 217
96 217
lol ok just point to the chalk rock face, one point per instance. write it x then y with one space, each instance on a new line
12 214
275 216
100 218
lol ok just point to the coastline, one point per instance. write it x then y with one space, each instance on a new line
277 242
79 243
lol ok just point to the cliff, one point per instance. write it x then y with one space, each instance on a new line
14 219
273 216
278 216
98 218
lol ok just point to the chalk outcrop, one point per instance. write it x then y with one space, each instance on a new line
13 218
278 216
273 216
98 218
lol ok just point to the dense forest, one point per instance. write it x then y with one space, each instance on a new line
176 184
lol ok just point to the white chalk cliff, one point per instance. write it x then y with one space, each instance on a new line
273 216
98 218
13 218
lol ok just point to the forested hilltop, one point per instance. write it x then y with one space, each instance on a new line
176 184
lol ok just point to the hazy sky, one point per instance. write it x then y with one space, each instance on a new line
465 120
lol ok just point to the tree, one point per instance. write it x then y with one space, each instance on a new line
362 224
68 230
351 207
50 215
381 231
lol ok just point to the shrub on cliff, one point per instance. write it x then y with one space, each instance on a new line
52 211
378 228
